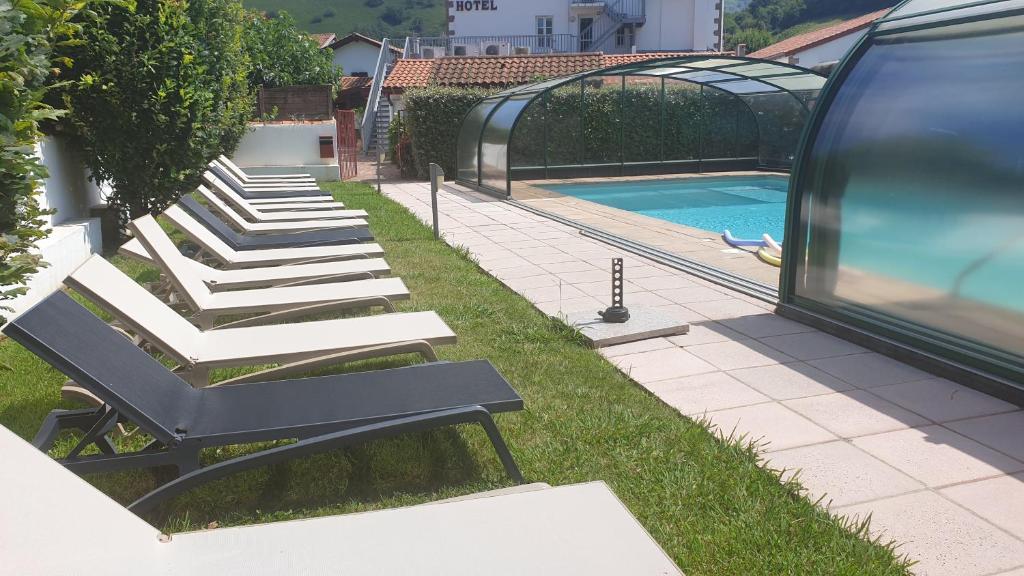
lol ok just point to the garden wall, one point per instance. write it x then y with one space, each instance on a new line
288 148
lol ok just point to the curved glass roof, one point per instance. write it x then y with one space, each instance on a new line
776 99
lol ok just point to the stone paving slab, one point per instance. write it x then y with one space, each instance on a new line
643 324
940 466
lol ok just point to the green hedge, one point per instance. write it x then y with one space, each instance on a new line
434 116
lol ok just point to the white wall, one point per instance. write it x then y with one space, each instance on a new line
671 24
830 51
74 235
356 57
286 147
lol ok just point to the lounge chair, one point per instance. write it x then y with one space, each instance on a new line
295 347
49 516
281 212
213 246
255 198
247 178
294 275
232 217
324 413
277 304
241 241
265 191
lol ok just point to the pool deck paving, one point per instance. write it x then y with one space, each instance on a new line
938 466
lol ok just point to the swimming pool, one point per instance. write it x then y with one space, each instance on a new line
748 206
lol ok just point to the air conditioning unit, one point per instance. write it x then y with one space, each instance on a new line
492 50
460 50
432 52
522 50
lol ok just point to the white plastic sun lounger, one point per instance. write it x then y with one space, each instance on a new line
46 512
282 213
284 206
216 248
244 176
277 304
304 188
296 347
236 221
294 275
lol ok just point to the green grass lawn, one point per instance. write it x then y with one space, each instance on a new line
422 17
704 500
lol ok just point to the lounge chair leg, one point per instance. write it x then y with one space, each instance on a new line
332 441
58 420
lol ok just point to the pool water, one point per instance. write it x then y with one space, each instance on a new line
748 206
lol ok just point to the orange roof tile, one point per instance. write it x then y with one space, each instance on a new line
324 39
355 82
815 37
508 70
410 73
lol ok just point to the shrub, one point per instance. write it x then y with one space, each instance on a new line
149 130
28 32
434 116
373 3
281 55
401 147
393 15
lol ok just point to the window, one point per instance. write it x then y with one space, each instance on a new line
625 36
545 29
586 34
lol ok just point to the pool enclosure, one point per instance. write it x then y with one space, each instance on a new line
663 116
905 223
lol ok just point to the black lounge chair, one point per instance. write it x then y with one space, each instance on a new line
237 241
323 413
249 195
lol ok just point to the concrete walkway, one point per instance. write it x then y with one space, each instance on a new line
939 466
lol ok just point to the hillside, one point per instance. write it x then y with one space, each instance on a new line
375 18
763 22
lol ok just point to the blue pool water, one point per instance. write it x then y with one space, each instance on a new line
748 206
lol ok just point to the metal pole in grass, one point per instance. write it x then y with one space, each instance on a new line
436 179
380 158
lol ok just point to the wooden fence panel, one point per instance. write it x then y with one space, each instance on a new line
296 102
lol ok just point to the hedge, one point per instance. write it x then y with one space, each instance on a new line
434 116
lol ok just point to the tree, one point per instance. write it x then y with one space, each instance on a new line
28 32
159 89
281 55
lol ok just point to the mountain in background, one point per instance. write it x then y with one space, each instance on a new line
374 18
763 22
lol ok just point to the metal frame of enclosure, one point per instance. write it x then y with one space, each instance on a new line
906 204
662 116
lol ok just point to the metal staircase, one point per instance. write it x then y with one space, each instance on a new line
377 116
609 17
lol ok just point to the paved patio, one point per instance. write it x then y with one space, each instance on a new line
939 466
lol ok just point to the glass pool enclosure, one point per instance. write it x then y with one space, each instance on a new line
663 116
906 209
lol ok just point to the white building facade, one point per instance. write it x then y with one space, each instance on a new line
612 26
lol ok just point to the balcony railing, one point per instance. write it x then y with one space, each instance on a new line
437 46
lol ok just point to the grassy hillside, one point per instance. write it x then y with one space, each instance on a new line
375 18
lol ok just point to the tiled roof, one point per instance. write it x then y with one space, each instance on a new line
410 73
807 40
357 37
324 39
507 70
355 82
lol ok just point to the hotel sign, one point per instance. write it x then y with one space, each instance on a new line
476 5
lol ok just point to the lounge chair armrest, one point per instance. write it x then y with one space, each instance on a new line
293 313
346 277
338 258
421 347
333 441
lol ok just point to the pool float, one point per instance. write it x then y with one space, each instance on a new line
771 243
769 258
738 242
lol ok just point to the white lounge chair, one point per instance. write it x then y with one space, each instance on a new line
304 188
296 347
236 221
277 212
53 522
294 275
276 304
262 178
213 246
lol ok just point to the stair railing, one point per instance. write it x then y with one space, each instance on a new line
369 124
615 15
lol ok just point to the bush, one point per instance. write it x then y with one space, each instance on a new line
401 147
28 31
434 116
373 3
281 55
149 130
393 15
